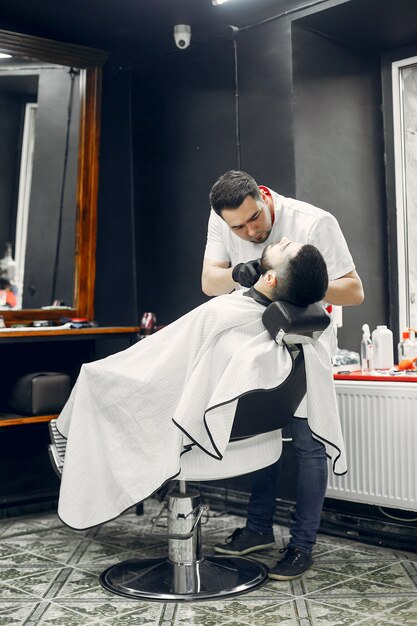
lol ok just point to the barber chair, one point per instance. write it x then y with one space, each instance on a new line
185 574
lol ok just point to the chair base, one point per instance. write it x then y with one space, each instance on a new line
160 579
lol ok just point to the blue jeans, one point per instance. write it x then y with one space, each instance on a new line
311 487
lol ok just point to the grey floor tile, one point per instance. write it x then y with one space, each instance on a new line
25 560
19 526
49 575
48 613
322 614
14 613
358 609
78 583
11 593
54 545
108 609
13 575
236 612
36 583
352 552
149 615
97 567
403 614
379 621
271 591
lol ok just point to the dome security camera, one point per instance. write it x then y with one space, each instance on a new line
182 35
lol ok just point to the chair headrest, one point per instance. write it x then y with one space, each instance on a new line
293 319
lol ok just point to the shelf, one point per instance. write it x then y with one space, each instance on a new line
18 420
43 334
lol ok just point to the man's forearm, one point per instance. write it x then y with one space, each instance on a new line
345 291
216 281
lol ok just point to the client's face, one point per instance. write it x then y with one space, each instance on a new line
278 254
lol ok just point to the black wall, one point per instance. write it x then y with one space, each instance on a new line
310 127
115 289
339 150
184 138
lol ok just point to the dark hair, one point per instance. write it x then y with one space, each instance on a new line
231 189
303 280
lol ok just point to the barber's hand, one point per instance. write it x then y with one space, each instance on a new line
247 274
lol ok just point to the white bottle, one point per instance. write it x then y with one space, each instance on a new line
383 348
366 350
7 263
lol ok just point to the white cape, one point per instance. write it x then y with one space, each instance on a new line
132 415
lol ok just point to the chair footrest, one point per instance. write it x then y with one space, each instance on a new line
57 448
159 579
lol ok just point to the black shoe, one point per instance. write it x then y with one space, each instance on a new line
293 565
243 541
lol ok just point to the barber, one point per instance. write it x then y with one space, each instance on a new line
244 218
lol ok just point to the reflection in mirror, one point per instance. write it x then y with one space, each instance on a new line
405 141
48 196
39 122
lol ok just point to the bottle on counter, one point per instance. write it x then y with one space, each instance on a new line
406 347
8 264
367 360
383 348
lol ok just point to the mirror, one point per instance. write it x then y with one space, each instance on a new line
53 197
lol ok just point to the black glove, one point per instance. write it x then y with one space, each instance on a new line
247 274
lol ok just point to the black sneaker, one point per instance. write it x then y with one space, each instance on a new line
293 565
243 541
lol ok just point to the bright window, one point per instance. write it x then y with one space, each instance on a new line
404 75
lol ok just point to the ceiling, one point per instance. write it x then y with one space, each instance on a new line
381 25
133 29
136 30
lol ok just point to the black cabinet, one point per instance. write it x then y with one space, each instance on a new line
27 480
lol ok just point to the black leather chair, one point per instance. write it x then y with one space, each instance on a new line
185 574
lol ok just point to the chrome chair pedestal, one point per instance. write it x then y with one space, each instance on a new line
159 579
185 575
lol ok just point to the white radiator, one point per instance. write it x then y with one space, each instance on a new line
379 423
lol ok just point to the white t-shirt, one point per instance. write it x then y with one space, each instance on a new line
299 221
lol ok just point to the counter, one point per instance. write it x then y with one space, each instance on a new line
358 375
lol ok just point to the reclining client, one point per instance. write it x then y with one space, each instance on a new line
132 416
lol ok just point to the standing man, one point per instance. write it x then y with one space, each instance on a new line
245 217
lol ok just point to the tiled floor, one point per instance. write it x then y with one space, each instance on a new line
48 575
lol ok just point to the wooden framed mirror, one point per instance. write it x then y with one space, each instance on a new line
86 63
